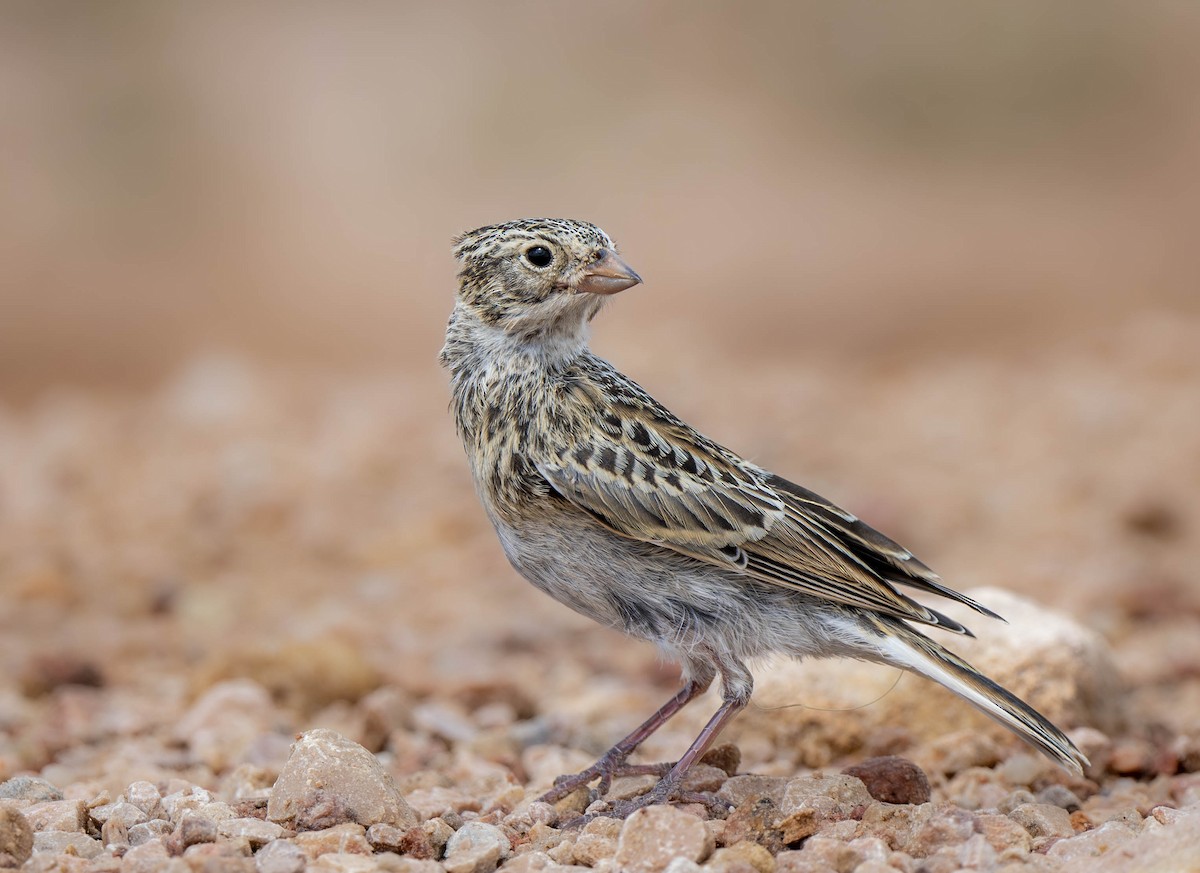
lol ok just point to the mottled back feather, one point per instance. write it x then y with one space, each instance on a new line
647 475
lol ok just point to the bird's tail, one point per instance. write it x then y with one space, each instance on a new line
901 645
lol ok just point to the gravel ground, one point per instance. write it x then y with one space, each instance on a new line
193 577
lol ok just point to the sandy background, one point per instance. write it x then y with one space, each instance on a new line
936 262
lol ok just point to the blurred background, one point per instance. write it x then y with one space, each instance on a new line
937 260
848 179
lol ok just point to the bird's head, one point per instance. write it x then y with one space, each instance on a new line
539 277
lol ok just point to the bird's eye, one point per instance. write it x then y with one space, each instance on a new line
539 256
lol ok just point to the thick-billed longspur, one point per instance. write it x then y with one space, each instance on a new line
614 506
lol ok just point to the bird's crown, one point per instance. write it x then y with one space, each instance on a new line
487 239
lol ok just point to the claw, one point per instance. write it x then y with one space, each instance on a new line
612 763
606 769
669 790
668 793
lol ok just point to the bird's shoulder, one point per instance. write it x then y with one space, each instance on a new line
621 454
609 409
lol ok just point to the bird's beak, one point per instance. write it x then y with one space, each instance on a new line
608 275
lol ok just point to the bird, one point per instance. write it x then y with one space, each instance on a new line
617 508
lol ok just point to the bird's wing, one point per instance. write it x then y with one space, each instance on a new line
853 546
648 476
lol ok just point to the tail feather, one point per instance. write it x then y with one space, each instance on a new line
903 646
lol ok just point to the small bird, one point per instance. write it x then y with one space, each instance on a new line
609 503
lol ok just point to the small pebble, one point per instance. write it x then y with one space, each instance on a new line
892 779
654 835
115 836
476 848
386 837
677 865
705 778
60 842
1045 823
740 790
151 830
182 801
248 782
955 752
128 813
1092 844
228 857
1020 797
871 848
977 853
149 857
256 831
810 802
347 837
743 857
280 856
541 812
217 810
395 864
1006 836
225 720
1131 757
30 789
1023 769
936 826
726 757
819 854
146 797
57 815
758 821
16 837
591 849
195 829
1061 796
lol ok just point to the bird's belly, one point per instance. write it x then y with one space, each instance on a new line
575 566
651 592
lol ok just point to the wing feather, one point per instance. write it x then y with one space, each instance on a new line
659 481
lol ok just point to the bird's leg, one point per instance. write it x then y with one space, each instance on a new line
736 694
612 762
669 788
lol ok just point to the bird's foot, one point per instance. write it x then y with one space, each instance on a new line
609 767
712 803
665 792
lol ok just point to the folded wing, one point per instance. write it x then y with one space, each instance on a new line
651 478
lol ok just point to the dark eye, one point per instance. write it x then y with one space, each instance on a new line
539 256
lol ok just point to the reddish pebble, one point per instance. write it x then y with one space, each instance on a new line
892 779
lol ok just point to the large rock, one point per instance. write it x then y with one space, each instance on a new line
329 780
824 709
1047 658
